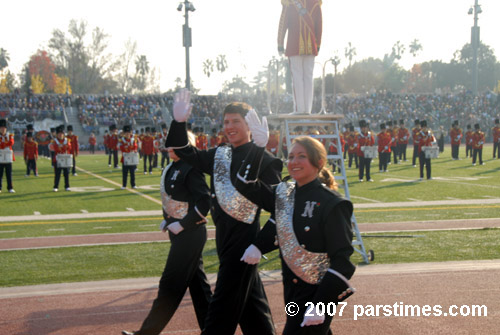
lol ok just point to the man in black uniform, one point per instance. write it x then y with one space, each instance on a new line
239 296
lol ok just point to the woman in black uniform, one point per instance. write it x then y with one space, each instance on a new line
311 225
186 201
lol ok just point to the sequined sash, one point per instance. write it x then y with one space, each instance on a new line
174 208
230 200
308 266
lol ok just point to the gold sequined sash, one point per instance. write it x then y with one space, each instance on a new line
230 200
308 266
174 208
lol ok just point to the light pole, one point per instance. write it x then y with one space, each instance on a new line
335 61
186 36
475 41
276 63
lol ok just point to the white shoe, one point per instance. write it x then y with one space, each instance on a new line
414 166
151 172
75 174
381 171
420 179
12 191
55 190
26 175
123 187
68 189
145 172
109 165
473 164
134 187
370 180
361 180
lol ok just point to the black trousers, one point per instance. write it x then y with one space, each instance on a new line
239 295
475 153
351 157
113 153
73 169
427 162
31 166
92 148
345 150
402 151
468 151
454 151
364 165
183 270
7 167
145 159
155 160
126 169
383 160
395 154
57 176
496 150
415 155
164 157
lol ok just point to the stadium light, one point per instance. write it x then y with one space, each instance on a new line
475 41
186 36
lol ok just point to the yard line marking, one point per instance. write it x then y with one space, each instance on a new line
119 185
366 199
130 209
84 211
489 197
36 213
451 198
412 199
7 231
147 225
102 227
56 229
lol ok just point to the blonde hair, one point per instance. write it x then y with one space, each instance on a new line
316 154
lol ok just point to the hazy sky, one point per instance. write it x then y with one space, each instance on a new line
246 31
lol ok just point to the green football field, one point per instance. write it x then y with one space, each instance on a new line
458 191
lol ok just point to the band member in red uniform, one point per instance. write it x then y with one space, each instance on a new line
495 131
127 144
186 201
30 154
384 139
333 150
274 141
113 146
301 21
92 143
148 150
6 143
105 140
75 147
214 139
352 147
222 137
154 133
164 152
427 139
239 296
60 145
403 139
468 141
415 135
394 140
311 226
365 138
201 139
456 139
477 145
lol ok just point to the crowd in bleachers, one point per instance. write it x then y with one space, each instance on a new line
95 111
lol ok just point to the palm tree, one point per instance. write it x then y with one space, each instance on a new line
4 58
142 65
350 53
221 63
398 50
208 67
415 47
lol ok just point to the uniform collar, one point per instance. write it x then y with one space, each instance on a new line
312 184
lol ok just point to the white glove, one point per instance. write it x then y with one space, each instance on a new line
252 255
260 131
175 227
182 105
163 226
386 147
313 320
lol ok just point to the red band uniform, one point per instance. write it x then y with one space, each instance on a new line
60 145
6 143
30 155
477 144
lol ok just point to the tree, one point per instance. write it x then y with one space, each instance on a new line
350 53
415 47
236 86
4 58
398 49
37 84
7 82
486 65
208 67
221 63
140 82
41 65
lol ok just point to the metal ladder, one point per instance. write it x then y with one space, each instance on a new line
292 121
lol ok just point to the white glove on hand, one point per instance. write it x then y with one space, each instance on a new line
313 320
163 226
175 227
386 147
260 131
182 105
252 255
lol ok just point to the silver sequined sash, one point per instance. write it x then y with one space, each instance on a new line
230 200
174 208
308 266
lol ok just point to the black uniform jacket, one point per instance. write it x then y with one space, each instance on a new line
184 183
321 222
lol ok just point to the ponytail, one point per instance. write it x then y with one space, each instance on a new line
327 178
